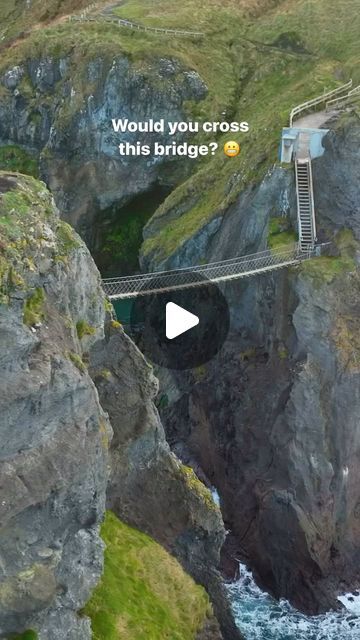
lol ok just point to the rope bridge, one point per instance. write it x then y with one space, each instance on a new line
232 269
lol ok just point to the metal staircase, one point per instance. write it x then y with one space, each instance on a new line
305 203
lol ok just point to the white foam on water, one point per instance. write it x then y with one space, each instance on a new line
351 602
260 617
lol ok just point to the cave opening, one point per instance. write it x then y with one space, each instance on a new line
119 230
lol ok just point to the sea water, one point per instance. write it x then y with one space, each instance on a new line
260 617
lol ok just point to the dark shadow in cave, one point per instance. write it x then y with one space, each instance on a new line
119 232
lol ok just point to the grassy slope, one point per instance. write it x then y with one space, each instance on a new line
144 594
246 81
276 82
16 16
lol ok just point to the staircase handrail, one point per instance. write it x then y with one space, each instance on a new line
353 94
315 101
311 189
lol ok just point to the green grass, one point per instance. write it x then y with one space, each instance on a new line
144 593
280 233
27 635
14 158
16 203
14 19
325 269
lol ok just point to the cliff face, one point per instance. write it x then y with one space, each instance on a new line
273 420
62 107
54 433
57 336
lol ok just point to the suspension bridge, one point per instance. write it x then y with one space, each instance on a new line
195 276
262 261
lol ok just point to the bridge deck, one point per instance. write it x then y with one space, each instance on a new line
233 269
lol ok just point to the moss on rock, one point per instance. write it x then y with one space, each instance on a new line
84 329
280 233
34 312
198 487
77 361
14 158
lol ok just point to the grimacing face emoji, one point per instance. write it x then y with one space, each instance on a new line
231 149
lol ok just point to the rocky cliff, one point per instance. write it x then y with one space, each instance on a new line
273 420
54 433
57 336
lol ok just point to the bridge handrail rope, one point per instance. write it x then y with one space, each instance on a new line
315 101
198 267
243 266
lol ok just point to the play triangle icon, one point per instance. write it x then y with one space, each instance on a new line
178 320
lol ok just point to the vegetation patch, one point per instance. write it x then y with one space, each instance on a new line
68 240
115 324
198 487
14 158
326 268
144 593
280 233
25 236
121 245
77 361
26 635
84 329
34 312
16 203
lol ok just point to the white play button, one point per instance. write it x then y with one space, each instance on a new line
178 320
